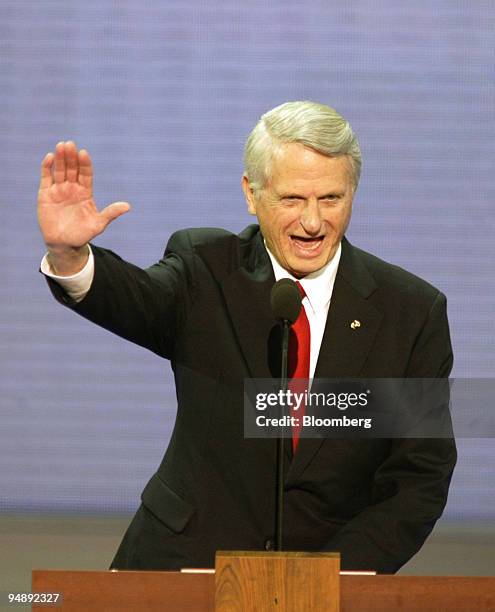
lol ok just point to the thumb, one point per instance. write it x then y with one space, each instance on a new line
112 211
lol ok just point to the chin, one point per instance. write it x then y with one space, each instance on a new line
302 266
306 268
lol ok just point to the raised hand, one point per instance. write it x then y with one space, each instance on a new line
67 214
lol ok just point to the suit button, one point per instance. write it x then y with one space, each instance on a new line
269 545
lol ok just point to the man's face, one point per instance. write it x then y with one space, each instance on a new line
305 207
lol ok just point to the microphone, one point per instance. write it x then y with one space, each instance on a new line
285 300
286 303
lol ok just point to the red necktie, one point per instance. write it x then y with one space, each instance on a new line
298 364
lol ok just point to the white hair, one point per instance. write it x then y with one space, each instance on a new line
313 125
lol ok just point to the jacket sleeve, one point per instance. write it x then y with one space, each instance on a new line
410 487
146 307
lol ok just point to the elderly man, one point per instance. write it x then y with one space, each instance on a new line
205 306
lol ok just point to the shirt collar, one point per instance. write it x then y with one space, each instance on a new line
317 285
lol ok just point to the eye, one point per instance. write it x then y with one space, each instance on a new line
330 198
292 199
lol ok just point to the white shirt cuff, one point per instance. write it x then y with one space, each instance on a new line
77 285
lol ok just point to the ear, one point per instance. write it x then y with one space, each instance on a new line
249 195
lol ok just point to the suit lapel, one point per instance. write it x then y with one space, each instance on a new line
247 296
344 347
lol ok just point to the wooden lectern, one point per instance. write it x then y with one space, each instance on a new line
256 581
267 581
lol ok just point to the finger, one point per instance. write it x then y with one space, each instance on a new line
71 161
46 180
112 211
59 166
85 177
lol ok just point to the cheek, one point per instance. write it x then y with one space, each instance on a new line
288 221
339 219
280 223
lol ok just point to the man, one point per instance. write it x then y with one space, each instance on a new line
205 306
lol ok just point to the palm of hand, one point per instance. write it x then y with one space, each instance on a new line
67 214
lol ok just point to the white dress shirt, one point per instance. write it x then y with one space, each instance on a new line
76 285
318 287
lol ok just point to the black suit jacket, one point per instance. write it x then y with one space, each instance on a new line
205 306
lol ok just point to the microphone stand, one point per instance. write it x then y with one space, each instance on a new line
280 441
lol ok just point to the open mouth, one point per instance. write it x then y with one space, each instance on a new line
307 245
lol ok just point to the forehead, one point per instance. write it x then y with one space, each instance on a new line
298 166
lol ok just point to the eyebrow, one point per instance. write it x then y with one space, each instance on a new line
330 194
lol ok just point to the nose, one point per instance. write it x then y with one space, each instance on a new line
310 218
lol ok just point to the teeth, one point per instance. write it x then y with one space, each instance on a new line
308 244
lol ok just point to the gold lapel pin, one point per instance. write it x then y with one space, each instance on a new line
355 324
